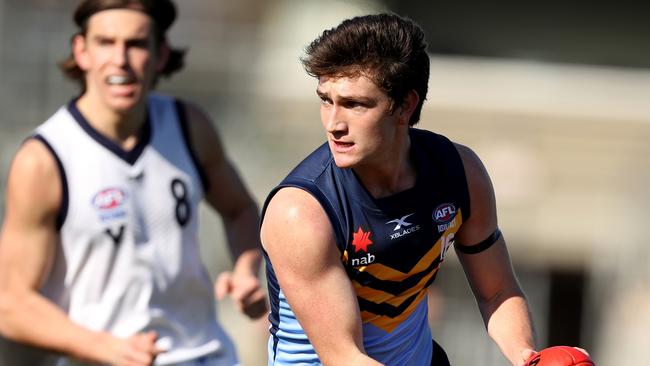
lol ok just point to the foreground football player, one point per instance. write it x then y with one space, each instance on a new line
357 232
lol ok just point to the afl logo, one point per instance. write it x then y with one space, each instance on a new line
444 213
109 199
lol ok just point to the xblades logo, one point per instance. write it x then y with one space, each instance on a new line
400 222
403 225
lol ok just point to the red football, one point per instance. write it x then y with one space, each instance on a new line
559 356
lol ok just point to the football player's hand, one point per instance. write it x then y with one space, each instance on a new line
245 290
137 350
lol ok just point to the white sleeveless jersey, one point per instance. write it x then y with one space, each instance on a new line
128 260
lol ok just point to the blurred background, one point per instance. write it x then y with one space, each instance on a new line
554 97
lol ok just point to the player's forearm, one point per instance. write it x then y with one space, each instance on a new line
31 319
337 342
509 324
249 262
356 358
243 238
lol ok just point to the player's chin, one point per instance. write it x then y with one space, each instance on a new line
344 161
124 105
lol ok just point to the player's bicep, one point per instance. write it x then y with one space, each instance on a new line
29 231
299 241
483 216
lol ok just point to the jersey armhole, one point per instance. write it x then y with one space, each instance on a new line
183 122
63 210
463 185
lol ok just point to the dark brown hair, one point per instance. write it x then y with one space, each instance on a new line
163 13
387 48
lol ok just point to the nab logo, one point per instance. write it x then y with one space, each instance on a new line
361 241
444 213
109 198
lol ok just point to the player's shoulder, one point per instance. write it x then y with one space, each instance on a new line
187 110
34 172
293 202
197 121
191 111
472 163
297 208
465 151
293 216
33 157
201 132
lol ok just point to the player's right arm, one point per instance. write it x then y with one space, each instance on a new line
27 249
298 238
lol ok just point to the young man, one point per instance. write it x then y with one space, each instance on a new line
355 234
99 259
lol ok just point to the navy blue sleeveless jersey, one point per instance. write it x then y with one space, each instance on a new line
391 249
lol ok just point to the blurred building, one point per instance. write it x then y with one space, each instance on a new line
553 98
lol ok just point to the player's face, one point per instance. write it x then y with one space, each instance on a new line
118 56
356 115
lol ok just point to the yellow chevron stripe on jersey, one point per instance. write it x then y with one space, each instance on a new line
389 301
384 272
387 323
379 296
378 307
381 271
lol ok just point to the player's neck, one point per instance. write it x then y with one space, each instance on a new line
389 175
123 128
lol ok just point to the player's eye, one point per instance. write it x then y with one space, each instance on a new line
354 105
325 100
138 43
104 41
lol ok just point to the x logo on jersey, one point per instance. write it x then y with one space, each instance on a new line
401 222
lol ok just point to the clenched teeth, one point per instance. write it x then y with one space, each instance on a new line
118 80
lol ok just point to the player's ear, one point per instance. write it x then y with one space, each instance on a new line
79 51
162 56
408 106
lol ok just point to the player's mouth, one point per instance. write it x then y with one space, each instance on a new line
341 146
120 80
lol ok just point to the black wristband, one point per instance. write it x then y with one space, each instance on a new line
477 248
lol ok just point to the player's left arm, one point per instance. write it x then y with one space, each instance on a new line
229 196
500 299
